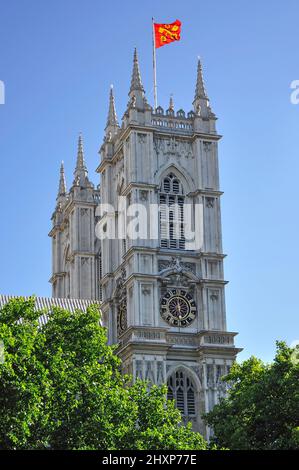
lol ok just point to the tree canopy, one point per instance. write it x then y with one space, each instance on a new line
261 410
61 388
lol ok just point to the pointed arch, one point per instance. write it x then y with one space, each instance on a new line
182 174
172 193
187 370
183 387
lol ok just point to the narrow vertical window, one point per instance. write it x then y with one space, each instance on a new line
171 213
182 390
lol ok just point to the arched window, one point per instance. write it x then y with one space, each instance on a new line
172 213
182 390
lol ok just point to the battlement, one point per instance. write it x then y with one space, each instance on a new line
175 121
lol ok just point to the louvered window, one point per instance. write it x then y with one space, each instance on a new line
172 213
182 390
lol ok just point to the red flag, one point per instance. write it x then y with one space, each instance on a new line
167 33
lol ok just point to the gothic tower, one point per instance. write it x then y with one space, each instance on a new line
162 295
159 276
75 250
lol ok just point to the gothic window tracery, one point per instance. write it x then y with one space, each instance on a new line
171 202
181 389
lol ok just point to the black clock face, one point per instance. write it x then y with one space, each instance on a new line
178 308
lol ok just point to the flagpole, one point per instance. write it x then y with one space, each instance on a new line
154 66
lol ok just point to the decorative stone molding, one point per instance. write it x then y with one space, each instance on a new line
219 339
141 138
198 370
207 146
176 264
83 211
182 340
121 302
214 295
173 147
210 201
143 195
146 290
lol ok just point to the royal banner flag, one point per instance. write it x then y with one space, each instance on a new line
167 33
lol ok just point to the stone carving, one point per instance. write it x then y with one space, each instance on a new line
207 146
176 264
141 138
144 334
214 295
210 202
199 372
59 207
218 339
173 146
121 300
210 375
138 370
149 374
133 102
143 194
198 110
179 280
146 290
160 373
219 373
176 339
77 181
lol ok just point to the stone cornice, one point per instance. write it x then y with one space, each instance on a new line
135 185
164 339
206 192
174 253
56 276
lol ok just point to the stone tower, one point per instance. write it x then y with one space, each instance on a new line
75 250
162 293
163 299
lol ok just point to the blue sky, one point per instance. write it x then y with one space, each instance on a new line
58 59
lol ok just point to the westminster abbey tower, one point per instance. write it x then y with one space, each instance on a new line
162 298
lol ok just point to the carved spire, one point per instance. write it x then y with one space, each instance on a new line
80 165
200 91
201 102
171 103
62 182
112 123
136 83
81 173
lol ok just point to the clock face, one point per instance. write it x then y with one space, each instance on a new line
178 308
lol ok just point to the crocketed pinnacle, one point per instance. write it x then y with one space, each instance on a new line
62 182
80 165
171 103
112 116
136 83
200 91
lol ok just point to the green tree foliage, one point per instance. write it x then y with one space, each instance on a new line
61 388
261 410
